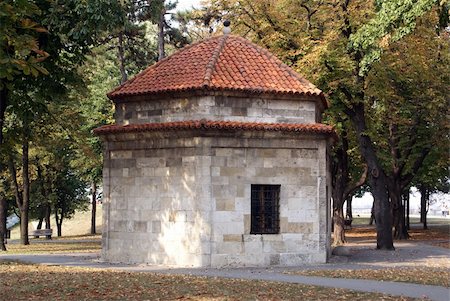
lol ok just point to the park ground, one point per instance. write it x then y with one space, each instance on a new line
422 263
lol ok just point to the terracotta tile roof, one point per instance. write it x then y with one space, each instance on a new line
223 63
314 128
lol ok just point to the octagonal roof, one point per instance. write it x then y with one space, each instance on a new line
222 63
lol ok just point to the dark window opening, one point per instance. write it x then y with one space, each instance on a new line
265 209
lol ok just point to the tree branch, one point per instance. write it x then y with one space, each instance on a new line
417 164
351 187
393 143
411 141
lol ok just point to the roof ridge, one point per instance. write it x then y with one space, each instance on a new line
213 61
158 63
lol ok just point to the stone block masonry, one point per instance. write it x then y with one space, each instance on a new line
218 108
185 201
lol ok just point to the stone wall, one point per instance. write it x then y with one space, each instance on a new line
183 198
157 210
299 110
303 228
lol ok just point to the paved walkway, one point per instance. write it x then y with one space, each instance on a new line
361 256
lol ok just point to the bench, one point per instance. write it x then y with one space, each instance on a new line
41 232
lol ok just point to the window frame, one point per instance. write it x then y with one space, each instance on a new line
265 209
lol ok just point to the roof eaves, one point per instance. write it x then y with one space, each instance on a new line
220 125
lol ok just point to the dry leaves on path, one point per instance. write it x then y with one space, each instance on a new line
34 282
437 235
428 276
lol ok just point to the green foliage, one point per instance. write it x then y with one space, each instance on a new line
20 52
70 191
95 110
52 128
86 21
408 92
393 20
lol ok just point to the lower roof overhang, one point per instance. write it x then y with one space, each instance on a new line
207 125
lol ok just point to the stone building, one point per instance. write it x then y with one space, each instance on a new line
217 158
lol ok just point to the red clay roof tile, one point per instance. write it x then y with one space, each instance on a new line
314 128
223 63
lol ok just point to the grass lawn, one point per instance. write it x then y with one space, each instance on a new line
364 220
54 247
80 224
429 276
34 282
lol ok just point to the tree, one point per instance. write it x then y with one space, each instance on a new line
168 34
100 74
41 194
344 180
123 28
74 30
70 192
21 188
6 199
339 41
407 93
433 176
3 212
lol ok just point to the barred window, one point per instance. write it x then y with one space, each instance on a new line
265 212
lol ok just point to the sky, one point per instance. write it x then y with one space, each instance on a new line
187 4
366 201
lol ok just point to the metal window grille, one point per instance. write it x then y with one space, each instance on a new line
265 209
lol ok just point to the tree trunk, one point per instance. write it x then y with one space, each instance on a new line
400 231
24 210
94 207
59 220
24 227
342 188
48 211
423 206
161 21
377 180
338 227
59 228
349 210
3 213
39 225
18 195
3 105
121 57
406 198
372 215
